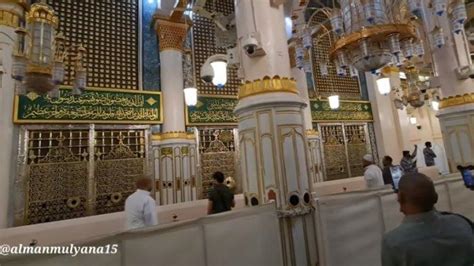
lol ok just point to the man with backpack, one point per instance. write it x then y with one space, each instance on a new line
426 237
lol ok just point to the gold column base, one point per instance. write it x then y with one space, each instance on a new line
267 85
456 100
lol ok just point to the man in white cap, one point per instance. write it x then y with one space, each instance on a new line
372 174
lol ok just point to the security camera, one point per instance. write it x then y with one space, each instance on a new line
465 72
207 72
251 45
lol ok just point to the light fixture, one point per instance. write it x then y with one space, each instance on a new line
288 27
370 34
435 104
334 101
383 84
38 62
413 120
190 96
220 73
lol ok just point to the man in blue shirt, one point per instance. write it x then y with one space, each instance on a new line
426 237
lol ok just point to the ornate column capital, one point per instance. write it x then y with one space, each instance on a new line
171 34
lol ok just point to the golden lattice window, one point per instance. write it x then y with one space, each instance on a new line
204 45
347 87
108 29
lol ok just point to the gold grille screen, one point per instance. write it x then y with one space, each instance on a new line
217 151
347 87
108 29
204 46
71 173
57 175
119 162
358 145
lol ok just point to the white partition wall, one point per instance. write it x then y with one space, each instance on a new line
350 226
246 237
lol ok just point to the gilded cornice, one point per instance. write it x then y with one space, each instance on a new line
173 135
22 3
9 19
267 85
457 100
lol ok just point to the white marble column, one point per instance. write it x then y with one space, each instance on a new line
390 124
456 115
313 137
273 145
174 149
11 12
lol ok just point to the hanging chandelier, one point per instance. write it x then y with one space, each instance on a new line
40 53
371 34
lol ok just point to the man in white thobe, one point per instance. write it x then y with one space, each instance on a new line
372 174
140 207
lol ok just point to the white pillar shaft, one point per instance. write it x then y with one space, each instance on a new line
172 90
449 57
258 16
300 76
456 121
8 132
389 130
274 154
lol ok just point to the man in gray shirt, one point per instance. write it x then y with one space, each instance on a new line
408 162
426 237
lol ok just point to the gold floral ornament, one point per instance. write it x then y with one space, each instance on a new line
268 85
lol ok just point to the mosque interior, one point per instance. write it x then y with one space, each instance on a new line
285 97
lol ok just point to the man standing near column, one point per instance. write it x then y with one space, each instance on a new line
429 154
140 208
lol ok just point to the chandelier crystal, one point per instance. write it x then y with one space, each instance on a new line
373 33
38 61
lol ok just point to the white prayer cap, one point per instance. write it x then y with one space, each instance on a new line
368 158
